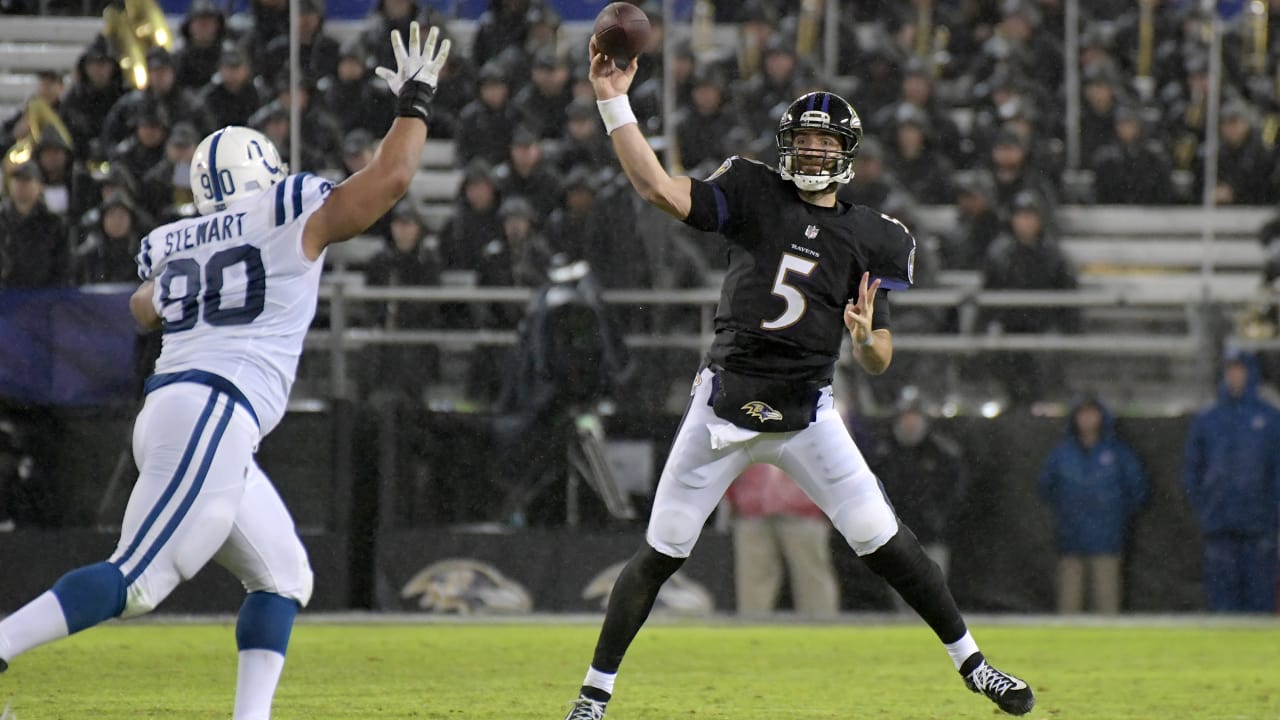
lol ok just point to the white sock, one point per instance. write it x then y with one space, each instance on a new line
600 680
36 623
256 680
961 649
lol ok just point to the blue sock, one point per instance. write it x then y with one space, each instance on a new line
90 595
265 623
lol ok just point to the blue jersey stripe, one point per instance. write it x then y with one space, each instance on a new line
213 165
279 204
172 488
722 207
297 194
190 498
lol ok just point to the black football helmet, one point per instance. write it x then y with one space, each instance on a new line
827 112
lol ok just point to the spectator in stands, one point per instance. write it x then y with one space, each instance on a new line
357 151
230 97
917 164
529 175
474 223
585 142
925 476
49 89
178 103
166 188
647 97
96 87
1014 174
1184 112
917 92
107 252
116 180
878 70
872 185
354 97
573 228
521 256
317 52
196 59
33 241
502 26
1231 468
966 242
541 27
320 135
485 125
1246 169
700 128
778 532
1093 485
1098 113
1039 53
265 21
1028 258
409 259
1132 169
759 97
542 103
145 146
65 182
757 25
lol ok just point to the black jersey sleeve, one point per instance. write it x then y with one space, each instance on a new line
718 204
880 311
894 258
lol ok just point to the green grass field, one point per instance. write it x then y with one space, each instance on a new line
721 672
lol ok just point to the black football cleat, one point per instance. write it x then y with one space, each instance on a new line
3 665
1008 692
584 708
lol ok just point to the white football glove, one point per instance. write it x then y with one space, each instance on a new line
421 62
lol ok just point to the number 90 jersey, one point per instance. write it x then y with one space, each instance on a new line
236 292
792 268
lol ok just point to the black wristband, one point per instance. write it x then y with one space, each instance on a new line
415 100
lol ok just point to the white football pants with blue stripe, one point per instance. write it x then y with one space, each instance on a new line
200 495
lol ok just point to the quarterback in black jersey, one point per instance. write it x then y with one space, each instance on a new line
804 268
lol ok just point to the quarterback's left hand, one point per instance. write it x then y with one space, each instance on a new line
857 316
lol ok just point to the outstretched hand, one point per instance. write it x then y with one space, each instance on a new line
606 78
857 316
420 62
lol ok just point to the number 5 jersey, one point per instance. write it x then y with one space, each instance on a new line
236 294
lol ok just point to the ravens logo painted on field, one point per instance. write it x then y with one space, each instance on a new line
763 412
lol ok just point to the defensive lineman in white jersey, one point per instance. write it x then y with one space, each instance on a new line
234 291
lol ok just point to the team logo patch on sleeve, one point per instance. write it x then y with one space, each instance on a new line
761 411
724 167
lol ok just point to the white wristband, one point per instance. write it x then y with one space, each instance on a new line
616 112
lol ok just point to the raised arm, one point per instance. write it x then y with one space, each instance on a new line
672 195
366 196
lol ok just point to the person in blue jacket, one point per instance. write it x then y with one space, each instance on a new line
1094 484
1232 474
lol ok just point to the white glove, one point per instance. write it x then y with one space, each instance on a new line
421 62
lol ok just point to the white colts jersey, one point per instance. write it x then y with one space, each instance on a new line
236 295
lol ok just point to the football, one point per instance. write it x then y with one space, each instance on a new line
621 31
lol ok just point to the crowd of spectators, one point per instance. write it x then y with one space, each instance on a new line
968 111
